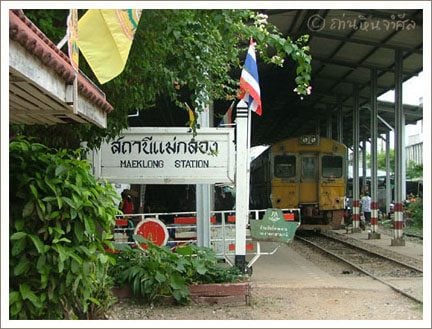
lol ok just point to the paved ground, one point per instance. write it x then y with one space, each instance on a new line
289 286
289 269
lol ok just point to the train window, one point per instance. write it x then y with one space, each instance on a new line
308 168
332 166
284 166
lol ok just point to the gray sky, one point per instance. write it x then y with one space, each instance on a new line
412 90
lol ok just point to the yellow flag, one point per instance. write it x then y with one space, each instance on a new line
72 32
105 37
192 116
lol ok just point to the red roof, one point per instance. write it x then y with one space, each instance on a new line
28 35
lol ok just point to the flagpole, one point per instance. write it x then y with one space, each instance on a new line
73 52
242 194
250 101
248 145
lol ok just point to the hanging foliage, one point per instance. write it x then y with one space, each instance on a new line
197 53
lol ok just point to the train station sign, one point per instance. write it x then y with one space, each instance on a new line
274 227
162 155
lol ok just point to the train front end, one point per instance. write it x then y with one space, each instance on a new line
309 173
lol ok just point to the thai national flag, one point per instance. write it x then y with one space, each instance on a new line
249 82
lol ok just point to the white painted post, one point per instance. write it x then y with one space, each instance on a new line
203 214
242 184
203 195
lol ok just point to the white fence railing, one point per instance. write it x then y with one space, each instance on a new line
182 229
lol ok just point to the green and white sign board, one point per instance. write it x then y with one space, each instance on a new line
273 227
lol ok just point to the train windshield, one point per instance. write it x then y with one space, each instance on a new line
284 166
332 166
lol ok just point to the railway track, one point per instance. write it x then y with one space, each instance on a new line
375 264
416 236
417 264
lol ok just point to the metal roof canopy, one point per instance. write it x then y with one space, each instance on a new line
345 46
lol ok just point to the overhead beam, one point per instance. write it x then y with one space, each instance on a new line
327 77
366 42
354 65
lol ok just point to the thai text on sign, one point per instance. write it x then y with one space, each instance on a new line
168 156
274 227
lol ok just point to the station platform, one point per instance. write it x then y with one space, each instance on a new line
411 249
287 267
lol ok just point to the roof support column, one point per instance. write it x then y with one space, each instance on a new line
329 132
318 127
356 142
374 150
399 155
340 123
389 197
365 187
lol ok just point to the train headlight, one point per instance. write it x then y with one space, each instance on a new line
313 140
304 140
309 140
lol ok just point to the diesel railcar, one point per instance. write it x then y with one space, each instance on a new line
307 172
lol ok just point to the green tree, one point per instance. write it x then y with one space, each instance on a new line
381 160
179 55
414 170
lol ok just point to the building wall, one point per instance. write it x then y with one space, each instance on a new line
415 153
414 147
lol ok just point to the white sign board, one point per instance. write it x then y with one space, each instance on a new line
161 155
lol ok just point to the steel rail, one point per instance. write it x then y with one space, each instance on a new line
362 270
374 252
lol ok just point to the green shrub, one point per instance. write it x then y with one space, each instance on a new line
61 220
415 210
159 272
202 266
152 274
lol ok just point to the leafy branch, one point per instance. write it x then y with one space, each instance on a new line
179 56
